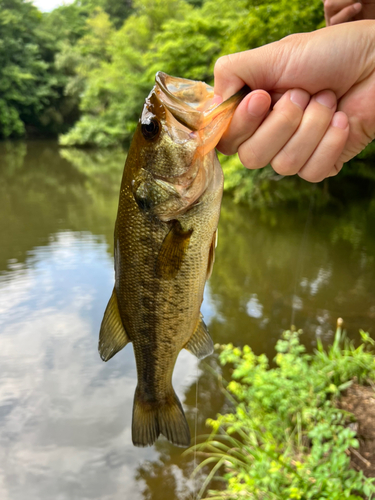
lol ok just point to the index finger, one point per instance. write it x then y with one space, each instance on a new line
227 83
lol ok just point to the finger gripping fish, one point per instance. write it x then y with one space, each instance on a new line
165 237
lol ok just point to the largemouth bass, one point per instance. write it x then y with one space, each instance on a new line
165 236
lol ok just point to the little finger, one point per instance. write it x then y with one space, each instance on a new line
336 169
322 161
346 14
314 124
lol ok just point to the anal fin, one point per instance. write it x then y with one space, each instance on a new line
112 336
200 343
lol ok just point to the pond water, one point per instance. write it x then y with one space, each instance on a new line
65 416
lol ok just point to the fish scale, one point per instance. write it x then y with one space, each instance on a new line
165 235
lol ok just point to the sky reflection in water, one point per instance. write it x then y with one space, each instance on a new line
65 415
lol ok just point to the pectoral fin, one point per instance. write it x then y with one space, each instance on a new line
112 336
200 343
211 255
172 251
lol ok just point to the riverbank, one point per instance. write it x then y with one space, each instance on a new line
303 429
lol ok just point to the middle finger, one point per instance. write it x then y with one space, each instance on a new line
275 131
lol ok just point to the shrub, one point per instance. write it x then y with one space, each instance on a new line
286 439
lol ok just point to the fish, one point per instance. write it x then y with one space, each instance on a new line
164 246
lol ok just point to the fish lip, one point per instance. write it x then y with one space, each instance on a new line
208 120
181 111
187 114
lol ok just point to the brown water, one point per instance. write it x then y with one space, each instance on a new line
65 416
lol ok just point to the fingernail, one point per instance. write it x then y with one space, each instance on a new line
258 105
217 99
357 7
300 97
339 120
328 99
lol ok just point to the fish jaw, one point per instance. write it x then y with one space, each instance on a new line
189 125
193 104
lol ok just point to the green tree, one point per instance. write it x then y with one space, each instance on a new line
176 36
115 72
118 10
26 87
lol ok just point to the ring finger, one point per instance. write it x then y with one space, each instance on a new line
275 131
312 128
327 154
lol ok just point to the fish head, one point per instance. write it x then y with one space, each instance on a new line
179 127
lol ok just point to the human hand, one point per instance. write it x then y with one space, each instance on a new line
342 11
311 136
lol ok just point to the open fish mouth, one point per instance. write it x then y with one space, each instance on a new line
182 122
187 100
193 104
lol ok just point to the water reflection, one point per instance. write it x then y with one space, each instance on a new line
65 416
269 275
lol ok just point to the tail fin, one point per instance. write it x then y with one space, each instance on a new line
152 419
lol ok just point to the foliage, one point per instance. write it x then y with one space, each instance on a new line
33 88
25 86
179 37
263 187
286 439
117 11
115 77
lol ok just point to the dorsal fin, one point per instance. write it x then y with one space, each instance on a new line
200 343
112 336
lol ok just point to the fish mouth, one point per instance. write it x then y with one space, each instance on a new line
195 121
193 104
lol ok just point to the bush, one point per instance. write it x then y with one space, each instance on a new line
286 439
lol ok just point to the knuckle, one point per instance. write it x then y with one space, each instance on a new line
329 7
285 164
227 149
249 158
310 175
289 119
221 66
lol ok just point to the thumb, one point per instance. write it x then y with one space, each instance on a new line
331 58
252 67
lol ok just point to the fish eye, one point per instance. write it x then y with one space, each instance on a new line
151 129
